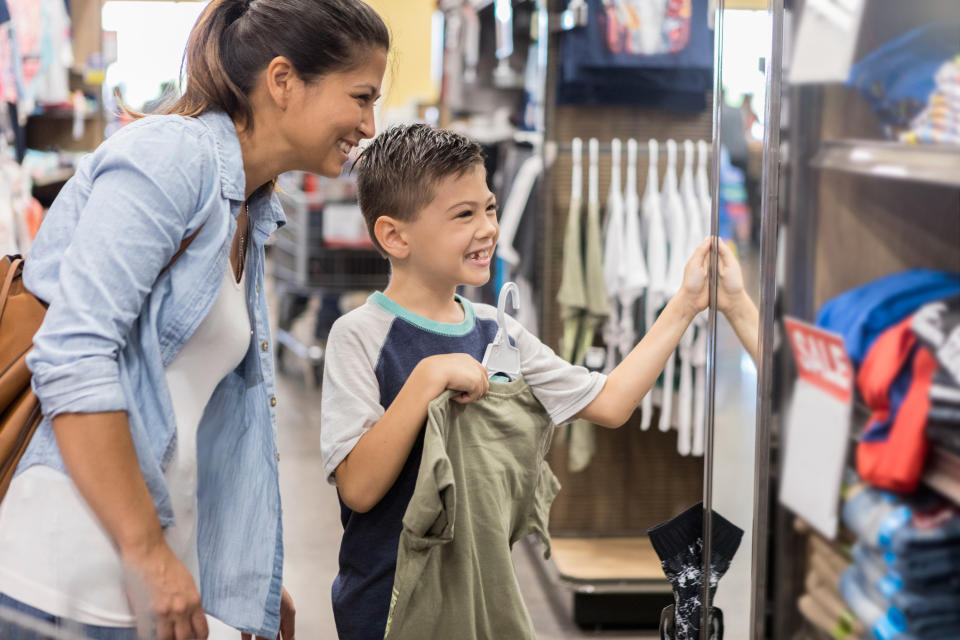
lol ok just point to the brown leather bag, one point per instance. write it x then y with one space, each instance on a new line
21 314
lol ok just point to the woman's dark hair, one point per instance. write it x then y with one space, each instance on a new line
233 41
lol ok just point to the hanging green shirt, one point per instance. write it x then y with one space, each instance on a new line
483 485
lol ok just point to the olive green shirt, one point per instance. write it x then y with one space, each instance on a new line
483 485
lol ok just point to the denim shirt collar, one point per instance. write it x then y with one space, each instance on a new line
266 212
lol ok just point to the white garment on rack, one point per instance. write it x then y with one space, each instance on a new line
702 188
691 207
614 253
635 274
676 261
656 235
70 567
515 205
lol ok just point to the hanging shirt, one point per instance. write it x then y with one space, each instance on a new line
635 274
614 251
483 484
665 47
675 217
572 294
370 354
656 265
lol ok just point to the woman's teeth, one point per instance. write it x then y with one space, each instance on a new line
344 146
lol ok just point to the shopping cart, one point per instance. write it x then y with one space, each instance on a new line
306 264
16 625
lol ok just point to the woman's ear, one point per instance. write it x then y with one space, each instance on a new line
389 233
280 79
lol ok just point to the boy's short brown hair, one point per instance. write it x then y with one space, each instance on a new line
397 172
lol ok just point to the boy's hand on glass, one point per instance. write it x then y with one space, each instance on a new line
695 291
458 372
730 289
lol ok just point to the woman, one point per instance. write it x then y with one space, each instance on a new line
155 470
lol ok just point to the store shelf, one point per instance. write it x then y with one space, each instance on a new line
934 164
943 473
609 564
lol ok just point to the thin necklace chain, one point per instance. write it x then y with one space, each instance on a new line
242 258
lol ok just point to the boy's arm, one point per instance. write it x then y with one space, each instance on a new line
635 376
375 461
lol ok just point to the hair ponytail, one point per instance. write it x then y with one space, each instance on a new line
234 40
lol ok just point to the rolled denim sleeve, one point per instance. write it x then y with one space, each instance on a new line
146 189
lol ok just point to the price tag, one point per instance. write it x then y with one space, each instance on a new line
817 426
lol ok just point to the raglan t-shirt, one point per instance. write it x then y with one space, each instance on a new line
371 352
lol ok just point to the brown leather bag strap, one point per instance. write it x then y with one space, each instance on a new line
16 265
183 247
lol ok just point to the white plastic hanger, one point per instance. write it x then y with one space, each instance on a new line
593 175
576 180
635 275
677 252
656 257
613 256
501 357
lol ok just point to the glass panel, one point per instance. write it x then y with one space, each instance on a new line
745 37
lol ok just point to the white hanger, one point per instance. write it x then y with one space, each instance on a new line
501 357
594 174
576 189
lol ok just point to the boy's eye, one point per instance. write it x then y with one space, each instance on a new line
465 214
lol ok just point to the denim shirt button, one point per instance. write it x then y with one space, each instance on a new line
265 346
273 401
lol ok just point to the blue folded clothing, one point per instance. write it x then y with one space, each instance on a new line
898 77
884 621
862 314
891 524
933 571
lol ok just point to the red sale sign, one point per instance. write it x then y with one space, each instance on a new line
821 358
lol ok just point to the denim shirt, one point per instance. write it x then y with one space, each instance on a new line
115 322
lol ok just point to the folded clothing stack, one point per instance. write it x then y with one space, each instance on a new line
821 603
910 85
904 583
939 122
937 327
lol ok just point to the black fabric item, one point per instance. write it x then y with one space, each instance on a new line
945 413
679 544
945 435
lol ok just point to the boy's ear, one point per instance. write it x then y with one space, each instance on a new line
389 233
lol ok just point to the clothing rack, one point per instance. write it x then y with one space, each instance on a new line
605 148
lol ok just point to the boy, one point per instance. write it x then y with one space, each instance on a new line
424 197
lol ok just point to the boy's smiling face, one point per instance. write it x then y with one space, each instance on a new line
452 240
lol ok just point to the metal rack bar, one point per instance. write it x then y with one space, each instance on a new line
605 147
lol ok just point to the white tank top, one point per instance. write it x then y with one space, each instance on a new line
54 553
